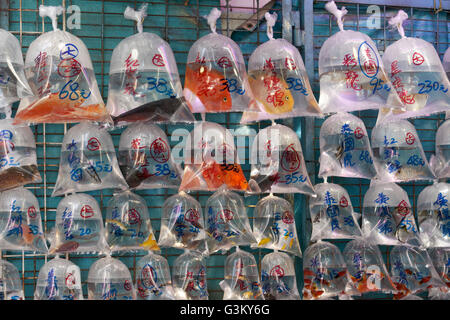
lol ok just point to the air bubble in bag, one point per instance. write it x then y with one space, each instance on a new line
398 153
274 225
211 160
59 279
60 73
145 158
18 162
388 218
144 84
182 224
332 213
433 215
153 280
440 162
324 271
127 225
345 148
189 277
241 279
216 77
278 165
278 280
366 267
78 226
20 221
110 279
10 282
88 161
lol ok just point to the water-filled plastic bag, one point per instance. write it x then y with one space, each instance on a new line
10 282
440 161
189 277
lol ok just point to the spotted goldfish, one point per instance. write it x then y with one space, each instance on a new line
205 89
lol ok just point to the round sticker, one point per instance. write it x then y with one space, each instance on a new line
159 151
224 215
288 217
410 138
133 216
192 215
359 133
93 144
277 271
69 68
224 62
86 211
32 212
403 208
70 281
148 276
343 202
417 59
290 159
158 60
368 60
127 285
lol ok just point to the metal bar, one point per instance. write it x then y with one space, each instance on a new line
398 3
4 14
287 25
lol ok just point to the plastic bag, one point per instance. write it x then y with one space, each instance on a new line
18 162
241 279
10 282
182 224
144 84
153 280
278 281
59 279
446 62
324 271
412 271
189 277
388 218
60 73
20 221
416 73
332 214
128 226
278 165
274 225
216 78
433 215
211 160
366 267
13 84
145 158
110 279
345 148
398 153
78 226
227 222
88 161
440 162
351 72
441 262
279 81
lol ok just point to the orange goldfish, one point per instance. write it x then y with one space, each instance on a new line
208 87
217 174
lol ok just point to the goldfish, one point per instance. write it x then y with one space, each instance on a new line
51 109
66 247
264 242
230 174
205 89
150 243
5 148
27 234
271 91
117 223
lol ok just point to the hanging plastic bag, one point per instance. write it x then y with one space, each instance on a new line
332 214
366 267
412 271
18 162
153 280
13 84
345 148
446 62
441 262
351 72
20 221
211 160
416 73
182 224
433 215
78 226
110 279
324 271
388 218
60 73
398 153
10 282
128 226
440 162
274 225
241 279
59 279
278 165
145 158
278 281
279 81
227 222
144 84
216 79
189 277
88 161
